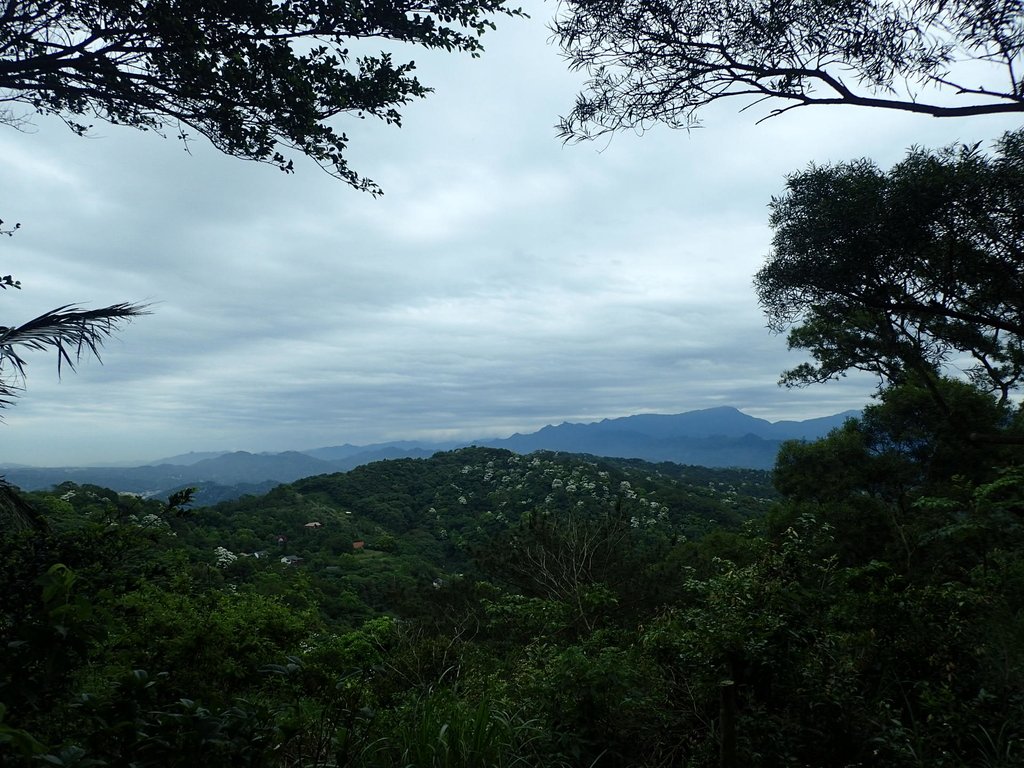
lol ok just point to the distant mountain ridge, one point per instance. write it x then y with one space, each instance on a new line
713 437
723 421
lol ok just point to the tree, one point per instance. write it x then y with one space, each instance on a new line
19 512
903 273
577 559
869 479
664 61
258 78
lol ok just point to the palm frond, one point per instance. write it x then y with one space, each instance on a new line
70 330
20 512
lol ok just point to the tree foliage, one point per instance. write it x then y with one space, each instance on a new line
258 78
903 272
70 330
664 61
872 618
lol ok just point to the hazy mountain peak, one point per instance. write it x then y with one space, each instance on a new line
721 436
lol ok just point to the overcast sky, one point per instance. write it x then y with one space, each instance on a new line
503 282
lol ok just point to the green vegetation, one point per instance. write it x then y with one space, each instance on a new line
69 330
900 273
485 608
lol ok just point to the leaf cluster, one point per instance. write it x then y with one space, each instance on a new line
258 78
903 272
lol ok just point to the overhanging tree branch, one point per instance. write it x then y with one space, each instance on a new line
665 61
259 78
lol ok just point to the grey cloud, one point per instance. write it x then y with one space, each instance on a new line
503 282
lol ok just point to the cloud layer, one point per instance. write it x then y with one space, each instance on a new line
503 282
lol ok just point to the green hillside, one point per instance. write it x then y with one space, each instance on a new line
371 540
483 608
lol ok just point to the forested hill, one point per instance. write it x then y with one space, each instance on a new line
417 520
369 538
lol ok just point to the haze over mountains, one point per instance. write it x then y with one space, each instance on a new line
714 437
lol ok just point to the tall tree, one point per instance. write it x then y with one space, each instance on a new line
664 61
905 272
260 79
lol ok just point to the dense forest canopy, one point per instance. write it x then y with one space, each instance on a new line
538 610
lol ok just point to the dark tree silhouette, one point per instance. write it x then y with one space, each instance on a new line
259 78
664 61
903 273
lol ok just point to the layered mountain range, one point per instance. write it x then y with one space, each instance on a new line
714 437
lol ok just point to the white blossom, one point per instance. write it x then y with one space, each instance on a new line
224 557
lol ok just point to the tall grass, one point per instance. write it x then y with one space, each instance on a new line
442 731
